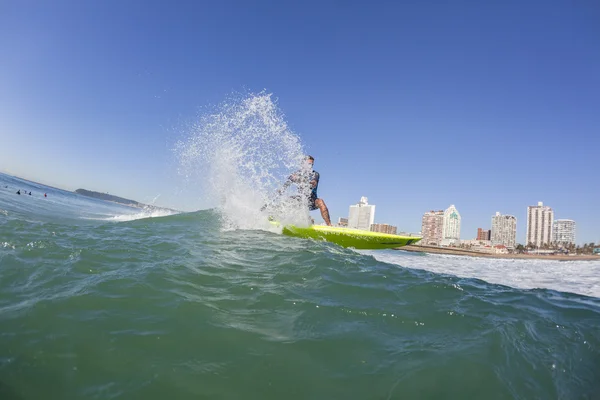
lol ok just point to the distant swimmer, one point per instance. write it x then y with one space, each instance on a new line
45 195
19 191
30 193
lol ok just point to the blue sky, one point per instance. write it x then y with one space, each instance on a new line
491 106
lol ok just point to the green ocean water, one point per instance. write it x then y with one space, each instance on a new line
98 302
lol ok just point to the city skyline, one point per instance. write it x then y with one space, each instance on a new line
442 227
435 228
432 225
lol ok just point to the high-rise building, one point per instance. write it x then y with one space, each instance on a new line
361 215
539 224
451 230
384 228
432 226
504 230
483 234
563 231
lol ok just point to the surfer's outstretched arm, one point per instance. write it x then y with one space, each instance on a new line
285 185
279 192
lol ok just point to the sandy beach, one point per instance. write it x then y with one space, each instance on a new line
464 252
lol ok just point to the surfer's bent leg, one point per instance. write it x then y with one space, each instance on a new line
324 211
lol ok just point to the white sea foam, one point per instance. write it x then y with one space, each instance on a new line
582 277
145 213
239 155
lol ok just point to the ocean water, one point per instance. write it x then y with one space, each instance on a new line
103 301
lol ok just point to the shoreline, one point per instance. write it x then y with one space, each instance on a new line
471 253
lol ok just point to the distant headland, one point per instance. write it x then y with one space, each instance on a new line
117 199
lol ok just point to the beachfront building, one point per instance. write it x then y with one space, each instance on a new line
343 222
384 228
432 226
539 224
451 227
563 231
361 215
483 234
504 230
473 243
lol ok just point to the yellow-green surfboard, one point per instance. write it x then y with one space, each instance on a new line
346 237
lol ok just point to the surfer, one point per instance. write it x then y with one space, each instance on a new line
307 175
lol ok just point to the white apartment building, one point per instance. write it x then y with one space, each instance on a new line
563 231
539 224
361 215
504 230
451 227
